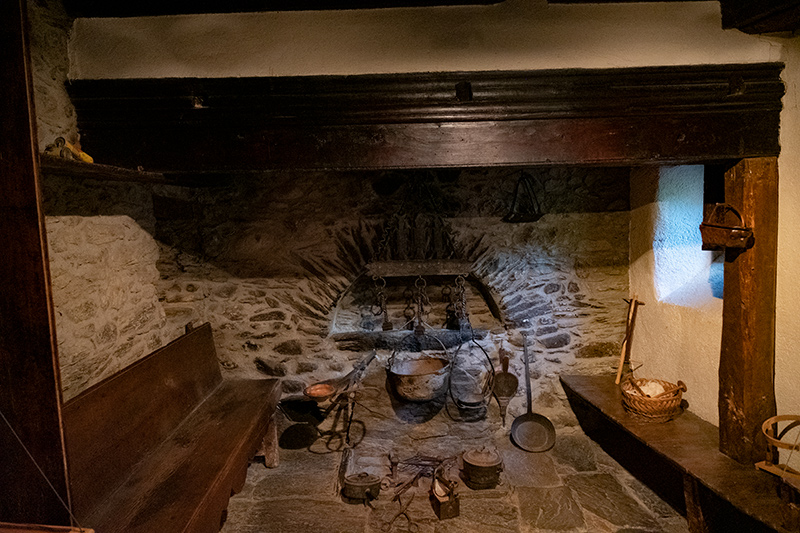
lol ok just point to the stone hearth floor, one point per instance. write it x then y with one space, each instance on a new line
574 487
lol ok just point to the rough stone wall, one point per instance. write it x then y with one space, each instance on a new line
49 32
103 265
266 259
102 258
103 272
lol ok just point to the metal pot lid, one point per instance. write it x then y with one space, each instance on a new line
362 479
483 457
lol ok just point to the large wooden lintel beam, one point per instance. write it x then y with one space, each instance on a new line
686 114
747 359
30 391
595 141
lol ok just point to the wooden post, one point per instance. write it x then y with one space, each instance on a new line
694 507
30 392
269 446
747 359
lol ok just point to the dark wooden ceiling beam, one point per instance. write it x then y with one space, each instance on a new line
764 16
605 116
92 8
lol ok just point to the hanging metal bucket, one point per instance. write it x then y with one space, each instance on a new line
420 379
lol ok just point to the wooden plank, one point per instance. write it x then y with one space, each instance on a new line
597 141
114 424
30 391
688 445
747 356
34 528
58 166
430 97
432 267
602 116
64 168
184 485
608 1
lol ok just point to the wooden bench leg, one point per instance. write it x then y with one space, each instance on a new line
694 508
269 446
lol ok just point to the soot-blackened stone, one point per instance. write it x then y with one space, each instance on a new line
292 347
555 341
270 368
266 317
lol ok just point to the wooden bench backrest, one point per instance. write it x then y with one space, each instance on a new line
110 426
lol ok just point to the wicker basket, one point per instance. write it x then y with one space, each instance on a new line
661 409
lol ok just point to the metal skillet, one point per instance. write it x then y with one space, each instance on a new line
532 432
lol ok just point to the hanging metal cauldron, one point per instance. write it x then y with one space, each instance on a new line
423 377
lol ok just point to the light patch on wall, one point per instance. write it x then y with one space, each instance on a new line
684 274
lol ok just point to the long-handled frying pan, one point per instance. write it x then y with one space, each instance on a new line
532 432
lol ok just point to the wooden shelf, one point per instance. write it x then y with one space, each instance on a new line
58 166
689 447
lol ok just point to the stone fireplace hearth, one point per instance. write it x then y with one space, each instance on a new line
278 264
269 262
573 487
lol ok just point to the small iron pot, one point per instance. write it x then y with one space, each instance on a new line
482 468
361 488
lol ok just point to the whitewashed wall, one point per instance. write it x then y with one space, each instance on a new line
511 35
674 338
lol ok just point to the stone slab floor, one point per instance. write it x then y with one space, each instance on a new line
574 487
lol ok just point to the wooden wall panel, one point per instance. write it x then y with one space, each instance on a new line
30 392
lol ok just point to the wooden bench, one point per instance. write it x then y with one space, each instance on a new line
160 446
680 460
